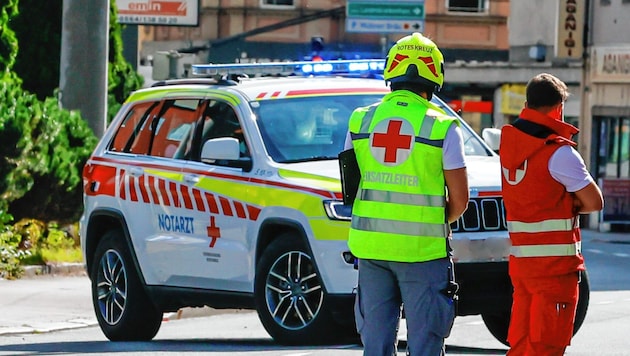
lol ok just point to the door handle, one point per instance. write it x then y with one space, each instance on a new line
136 171
191 178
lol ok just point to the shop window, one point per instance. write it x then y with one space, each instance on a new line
277 3
468 6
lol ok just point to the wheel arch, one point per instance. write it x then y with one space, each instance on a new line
272 228
100 222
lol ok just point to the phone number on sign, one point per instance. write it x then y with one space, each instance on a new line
151 20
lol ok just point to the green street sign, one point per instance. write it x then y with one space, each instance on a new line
385 10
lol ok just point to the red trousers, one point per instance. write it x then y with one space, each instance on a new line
543 311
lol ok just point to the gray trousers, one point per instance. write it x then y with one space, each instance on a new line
384 287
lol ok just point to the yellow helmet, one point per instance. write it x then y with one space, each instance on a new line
415 58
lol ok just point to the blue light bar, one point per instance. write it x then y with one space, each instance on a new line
359 66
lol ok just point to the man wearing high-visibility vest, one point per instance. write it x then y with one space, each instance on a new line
545 187
413 184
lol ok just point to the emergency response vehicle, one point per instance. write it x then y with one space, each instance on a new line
225 192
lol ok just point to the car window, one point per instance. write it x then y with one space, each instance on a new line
312 128
220 120
315 128
131 125
158 130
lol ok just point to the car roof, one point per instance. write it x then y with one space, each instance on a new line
262 88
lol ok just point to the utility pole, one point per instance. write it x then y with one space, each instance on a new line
84 54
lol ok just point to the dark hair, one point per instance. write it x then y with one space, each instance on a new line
414 87
545 90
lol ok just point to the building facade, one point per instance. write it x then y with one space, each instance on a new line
606 107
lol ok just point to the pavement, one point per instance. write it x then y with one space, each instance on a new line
58 297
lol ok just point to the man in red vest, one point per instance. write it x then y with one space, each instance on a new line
545 187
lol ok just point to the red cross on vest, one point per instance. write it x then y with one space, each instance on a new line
515 176
392 140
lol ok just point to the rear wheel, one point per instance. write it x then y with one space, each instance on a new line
123 310
290 297
498 323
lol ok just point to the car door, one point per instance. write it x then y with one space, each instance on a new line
221 257
159 212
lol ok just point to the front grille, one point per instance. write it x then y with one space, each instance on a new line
483 214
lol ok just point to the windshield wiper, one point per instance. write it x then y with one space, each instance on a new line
309 159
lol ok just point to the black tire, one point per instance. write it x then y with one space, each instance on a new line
123 309
290 297
498 323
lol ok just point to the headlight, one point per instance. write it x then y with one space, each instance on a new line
336 210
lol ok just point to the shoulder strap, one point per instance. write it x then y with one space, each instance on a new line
532 128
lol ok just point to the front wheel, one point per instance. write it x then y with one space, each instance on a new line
123 310
498 323
290 297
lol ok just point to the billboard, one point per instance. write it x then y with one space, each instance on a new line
158 12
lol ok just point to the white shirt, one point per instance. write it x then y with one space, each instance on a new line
567 167
452 151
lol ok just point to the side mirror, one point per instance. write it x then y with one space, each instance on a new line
492 137
225 151
220 148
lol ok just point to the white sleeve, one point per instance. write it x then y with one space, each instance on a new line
348 143
453 150
567 167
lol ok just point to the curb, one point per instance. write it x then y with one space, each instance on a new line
64 269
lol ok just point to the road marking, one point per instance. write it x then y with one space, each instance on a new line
592 250
621 254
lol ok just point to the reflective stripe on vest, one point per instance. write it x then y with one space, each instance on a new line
423 137
399 227
549 250
543 226
437 201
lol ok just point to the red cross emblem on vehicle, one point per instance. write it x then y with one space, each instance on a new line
391 141
214 232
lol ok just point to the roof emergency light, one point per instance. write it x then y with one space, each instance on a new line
359 66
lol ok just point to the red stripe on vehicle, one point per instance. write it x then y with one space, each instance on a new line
321 192
173 189
212 203
163 192
337 91
261 95
133 195
275 94
489 194
198 200
143 189
186 195
225 206
153 190
253 212
122 186
240 211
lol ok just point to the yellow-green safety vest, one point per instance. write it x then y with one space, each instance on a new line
399 213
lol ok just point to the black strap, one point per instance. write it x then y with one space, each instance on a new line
532 128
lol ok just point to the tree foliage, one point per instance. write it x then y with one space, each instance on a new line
43 148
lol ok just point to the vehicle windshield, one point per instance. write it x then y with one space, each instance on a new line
315 128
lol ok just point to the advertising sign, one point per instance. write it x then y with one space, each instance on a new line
158 12
616 194
610 64
570 29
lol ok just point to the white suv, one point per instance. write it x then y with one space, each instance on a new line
226 194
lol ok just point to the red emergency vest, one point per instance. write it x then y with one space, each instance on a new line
542 225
